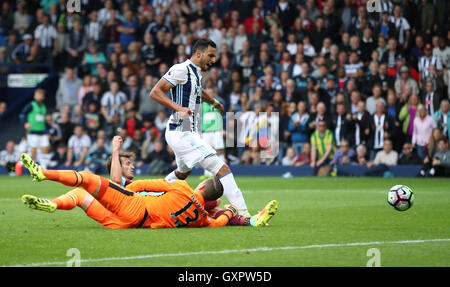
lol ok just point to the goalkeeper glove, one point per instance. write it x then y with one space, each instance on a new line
231 207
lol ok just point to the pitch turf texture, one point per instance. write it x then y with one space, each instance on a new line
320 222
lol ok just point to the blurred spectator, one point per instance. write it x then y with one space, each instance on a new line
158 159
76 44
290 158
407 115
9 157
344 154
360 157
68 88
97 157
408 156
91 59
425 62
112 102
423 125
133 122
382 127
45 37
21 53
376 97
387 156
33 119
383 158
343 125
79 144
92 119
362 124
298 127
439 165
304 158
322 145
432 99
84 89
3 108
405 80
442 118
59 157
94 96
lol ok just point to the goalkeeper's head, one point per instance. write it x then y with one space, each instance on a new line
211 189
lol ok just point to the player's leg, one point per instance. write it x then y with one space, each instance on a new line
231 190
125 204
191 150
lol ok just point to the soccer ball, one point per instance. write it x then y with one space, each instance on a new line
401 197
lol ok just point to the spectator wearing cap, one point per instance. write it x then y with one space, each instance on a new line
425 62
405 80
23 50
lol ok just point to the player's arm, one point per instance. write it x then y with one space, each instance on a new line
159 94
212 101
116 170
149 185
223 219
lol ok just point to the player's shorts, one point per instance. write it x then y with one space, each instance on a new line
215 139
189 149
38 141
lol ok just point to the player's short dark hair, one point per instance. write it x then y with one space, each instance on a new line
202 45
126 154
213 189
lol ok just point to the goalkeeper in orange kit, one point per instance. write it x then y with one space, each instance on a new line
174 205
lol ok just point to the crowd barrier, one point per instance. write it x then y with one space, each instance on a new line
262 170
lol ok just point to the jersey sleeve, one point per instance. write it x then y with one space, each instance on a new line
176 75
149 185
220 221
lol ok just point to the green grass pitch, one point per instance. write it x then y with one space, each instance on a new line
320 222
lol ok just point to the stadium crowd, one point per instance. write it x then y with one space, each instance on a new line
349 86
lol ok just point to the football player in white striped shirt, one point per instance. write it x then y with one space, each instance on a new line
182 131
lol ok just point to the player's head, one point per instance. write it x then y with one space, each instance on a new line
211 189
126 164
39 95
204 53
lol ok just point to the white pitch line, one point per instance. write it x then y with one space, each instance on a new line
259 249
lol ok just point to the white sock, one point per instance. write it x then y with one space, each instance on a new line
232 191
171 176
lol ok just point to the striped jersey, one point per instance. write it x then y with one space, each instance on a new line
187 92
425 62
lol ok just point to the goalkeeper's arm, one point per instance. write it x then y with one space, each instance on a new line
222 220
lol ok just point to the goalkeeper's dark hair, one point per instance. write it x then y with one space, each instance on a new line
213 189
126 154
202 45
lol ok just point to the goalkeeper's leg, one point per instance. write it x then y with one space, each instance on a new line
125 204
